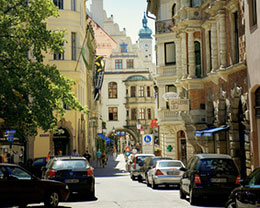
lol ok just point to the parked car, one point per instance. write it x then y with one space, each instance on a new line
128 162
75 171
19 187
248 194
209 175
37 166
165 172
148 164
136 163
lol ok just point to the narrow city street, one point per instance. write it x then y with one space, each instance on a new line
115 189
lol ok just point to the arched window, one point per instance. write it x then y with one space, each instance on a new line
112 90
197 58
195 3
173 13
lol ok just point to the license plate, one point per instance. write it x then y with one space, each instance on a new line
172 173
218 180
71 180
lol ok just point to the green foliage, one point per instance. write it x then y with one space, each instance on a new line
31 93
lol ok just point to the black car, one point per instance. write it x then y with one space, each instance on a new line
148 164
19 187
75 171
248 194
37 166
209 175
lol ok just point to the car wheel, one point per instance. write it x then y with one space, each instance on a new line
52 200
192 197
91 194
140 179
230 204
153 185
182 194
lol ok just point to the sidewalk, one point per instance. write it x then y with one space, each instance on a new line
113 168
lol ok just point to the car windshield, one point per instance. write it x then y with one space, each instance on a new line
69 164
169 164
217 165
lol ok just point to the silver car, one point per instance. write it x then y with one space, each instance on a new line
165 172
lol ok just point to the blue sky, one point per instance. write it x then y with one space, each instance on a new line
128 14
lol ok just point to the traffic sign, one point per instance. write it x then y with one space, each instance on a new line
8 132
147 139
127 149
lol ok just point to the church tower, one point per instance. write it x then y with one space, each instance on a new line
145 40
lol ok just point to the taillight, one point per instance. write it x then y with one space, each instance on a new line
238 180
134 166
51 173
90 172
158 172
197 179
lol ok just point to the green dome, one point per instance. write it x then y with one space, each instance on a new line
145 32
137 78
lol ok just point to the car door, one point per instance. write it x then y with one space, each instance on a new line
249 195
5 190
23 185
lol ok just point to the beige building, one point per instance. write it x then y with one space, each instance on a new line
202 78
75 125
252 20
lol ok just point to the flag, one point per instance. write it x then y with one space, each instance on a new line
83 54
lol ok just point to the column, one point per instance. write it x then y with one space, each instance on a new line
178 59
191 54
184 55
214 49
223 42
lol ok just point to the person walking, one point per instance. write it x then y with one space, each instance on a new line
99 154
87 155
104 159
75 153
114 153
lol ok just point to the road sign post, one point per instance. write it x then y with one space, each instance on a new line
147 144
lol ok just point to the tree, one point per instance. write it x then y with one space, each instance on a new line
32 94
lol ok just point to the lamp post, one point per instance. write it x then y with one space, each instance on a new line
138 126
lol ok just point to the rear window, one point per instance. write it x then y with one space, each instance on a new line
69 164
170 164
141 158
213 166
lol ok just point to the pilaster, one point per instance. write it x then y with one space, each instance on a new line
214 48
223 42
184 55
191 54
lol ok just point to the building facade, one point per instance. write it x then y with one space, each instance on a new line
252 19
74 126
201 69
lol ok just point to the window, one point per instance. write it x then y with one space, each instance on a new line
59 55
119 64
58 3
170 54
141 91
173 10
73 5
252 13
133 114
210 52
197 58
149 114
142 113
169 88
194 3
112 90
257 102
73 46
148 92
123 48
130 63
112 113
236 37
133 91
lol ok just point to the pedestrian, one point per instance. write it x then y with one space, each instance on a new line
75 153
87 155
99 154
104 159
48 157
114 153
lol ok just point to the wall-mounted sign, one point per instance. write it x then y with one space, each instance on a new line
179 104
169 95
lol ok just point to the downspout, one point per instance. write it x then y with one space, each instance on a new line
149 1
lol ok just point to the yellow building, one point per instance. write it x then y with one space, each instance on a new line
75 126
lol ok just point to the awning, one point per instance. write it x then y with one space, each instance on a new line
104 137
211 131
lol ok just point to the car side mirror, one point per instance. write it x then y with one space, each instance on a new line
183 169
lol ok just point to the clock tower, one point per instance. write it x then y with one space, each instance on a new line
145 40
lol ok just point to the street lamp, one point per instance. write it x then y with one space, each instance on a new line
138 126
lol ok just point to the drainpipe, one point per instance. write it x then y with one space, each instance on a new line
149 1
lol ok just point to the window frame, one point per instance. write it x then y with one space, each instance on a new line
133 91
73 5
141 91
73 46
129 63
112 113
119 64
166 61
134 114
142 113
112 90
252 13
59 4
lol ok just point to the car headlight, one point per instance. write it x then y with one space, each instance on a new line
67 187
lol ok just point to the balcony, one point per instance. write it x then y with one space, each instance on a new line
134 100
167 115
132 123
164 26
166 71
